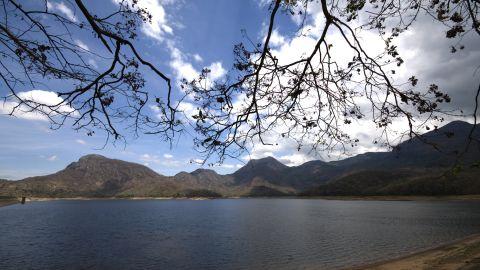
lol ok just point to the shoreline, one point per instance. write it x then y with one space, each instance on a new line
334 198
458 254
8 202
398 198
45 199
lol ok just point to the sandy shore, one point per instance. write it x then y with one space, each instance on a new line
459 255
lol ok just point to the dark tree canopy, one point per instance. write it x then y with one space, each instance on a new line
312 99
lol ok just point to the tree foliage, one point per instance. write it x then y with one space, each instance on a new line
39 44
312 99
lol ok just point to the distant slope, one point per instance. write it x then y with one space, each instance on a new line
436 151
371 183
419 166
202 180
416 166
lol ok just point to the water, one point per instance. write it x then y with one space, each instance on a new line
224 234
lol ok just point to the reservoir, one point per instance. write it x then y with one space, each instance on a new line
225 233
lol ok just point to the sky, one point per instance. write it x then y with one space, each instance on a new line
185 36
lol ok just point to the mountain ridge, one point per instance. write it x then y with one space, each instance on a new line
98 176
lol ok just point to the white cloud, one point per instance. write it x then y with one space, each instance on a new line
82 45
227 166
80 141
262 3
276 39
182 68
166 161
145 157
33 98
185 70
52 158
216 71
230 167
62 8
295 159
197 57
188 109
41 96
158 26
197 160
425 61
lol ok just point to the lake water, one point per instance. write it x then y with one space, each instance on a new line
224 234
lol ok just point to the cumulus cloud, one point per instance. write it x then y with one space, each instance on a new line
216 71
276 39
188 109
63 9
166 161
158 26
34 97
294 159
52 158
184 69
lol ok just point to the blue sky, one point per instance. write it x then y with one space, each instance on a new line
203 31
185 37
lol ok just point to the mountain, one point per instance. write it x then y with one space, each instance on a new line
420 166
94 175
266 169
263 177
374 183
203 180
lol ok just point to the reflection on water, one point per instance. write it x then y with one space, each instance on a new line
224 234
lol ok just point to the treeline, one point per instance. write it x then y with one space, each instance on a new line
198 193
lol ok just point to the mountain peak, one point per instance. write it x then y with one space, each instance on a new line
201 170
265 161
266 169
92 156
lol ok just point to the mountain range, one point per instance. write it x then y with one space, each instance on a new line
437 163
